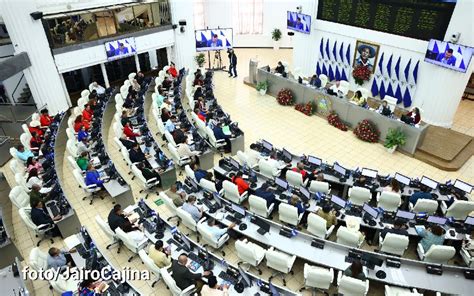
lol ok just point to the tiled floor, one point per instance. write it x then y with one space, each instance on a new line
259 117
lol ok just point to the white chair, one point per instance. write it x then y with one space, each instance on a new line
25 129
73 163
349 237
19 197
324 80
460 209
267 169
359 195
344 87
187 220
42 230
246 160
231 192
178 160
209 239
289 214
72 148
294 179
424 205
147 185
250 253
70 123
351 286
391 102
467 257
38 260
317 278
170 138
150 264
189 172
20 181
85 93
25 141
13 152
258 206
170 205
90 190
104 226
70 134
216 144
171 284
76 111
318 226
132 245
394 244
388 201
17 167
398 291
281 262
436 254
207 185
319 186
63 284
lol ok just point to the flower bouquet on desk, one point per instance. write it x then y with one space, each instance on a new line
307 109
361 74
285 97
366 131
334 120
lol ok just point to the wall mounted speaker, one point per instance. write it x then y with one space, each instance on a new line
182 29
36 15
182 22
291 33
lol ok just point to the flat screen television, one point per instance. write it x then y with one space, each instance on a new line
298 22
453 56
121 48
213 39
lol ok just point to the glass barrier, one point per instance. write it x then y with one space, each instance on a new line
69 29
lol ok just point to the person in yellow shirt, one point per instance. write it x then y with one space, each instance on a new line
359 99
159 255
213 289
328 215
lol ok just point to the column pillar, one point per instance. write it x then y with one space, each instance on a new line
104 74
137 62
153 59
184 49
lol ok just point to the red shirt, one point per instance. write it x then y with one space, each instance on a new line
242 186
37 130
45 120
36 142
201 116
172 71
79 124
302 172
129 132
87 115
417 117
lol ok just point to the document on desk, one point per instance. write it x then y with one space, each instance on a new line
135 216
129 209
72 241
397 276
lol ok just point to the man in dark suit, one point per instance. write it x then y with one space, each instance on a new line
265 194
233 63
398 228
214 42
121 49
40 217
136 154
117 218
184 277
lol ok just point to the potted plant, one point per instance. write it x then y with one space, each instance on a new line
200 59
276 36
262 87
394 138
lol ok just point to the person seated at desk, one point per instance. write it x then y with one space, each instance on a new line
215 230
300 169
198 93
172 70
327 214
237 179
100 90
137 155
35 141
179 136
45 119
362 182
160 256
40 217
315 81
23 153
280 69
117 218
83 161
266 194
36 195
431 236
93 177
34 179
178 198
198 80
184 151
296 202
220 135
213 289
166 104
190 207
183 277
424 193
59 259
413 117
87 113
165 114
34 127
82 134
129 133
398 228
355 271
170 124
79 122
83 146
159 97
200 115
320 177
90 287
359 99
334 89
394 186
384 109
32 163
198 173
148 173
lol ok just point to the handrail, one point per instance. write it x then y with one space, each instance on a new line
17 85
7 56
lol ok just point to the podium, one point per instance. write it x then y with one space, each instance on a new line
253 66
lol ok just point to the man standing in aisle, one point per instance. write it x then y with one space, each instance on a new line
233 63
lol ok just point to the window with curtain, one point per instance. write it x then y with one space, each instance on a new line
199 14
247 16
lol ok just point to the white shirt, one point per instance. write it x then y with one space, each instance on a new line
99 89
334 88
137 236
81 147
34 180
183 150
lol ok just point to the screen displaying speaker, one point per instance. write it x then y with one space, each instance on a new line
213 39
453 56
120 48
298 22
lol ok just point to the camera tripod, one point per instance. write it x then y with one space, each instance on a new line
216 62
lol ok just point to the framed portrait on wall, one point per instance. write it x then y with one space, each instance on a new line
366 54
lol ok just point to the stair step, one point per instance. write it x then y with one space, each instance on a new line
453 165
